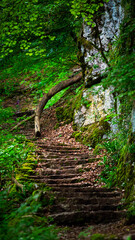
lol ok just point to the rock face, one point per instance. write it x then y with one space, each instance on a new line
96 43
101 36
100 101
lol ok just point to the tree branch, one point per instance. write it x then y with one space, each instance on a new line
22 122
57 88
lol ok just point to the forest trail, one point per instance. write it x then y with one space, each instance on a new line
71 170
77 198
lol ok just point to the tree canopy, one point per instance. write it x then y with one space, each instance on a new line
27 26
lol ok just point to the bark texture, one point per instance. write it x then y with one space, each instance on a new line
57 88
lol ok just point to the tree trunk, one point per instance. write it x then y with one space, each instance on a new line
57 88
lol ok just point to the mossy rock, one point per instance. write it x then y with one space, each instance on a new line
65 114
27 169
92 134
126 170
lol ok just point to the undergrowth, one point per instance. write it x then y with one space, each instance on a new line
118 170
38 75
20 209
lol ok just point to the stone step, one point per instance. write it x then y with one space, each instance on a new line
76 201
63 162
64 151
66 180
82 217
84 187
74 192
73 170
59 171
64 156
59 176
86 200
60 147
59 208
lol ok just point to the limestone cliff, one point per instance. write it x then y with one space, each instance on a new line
98 104
106 30
95 45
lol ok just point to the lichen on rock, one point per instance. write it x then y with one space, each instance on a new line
100 103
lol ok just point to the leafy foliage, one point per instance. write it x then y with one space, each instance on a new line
23 222
18 210
13 149
86 10
5 113
13 154
36 44
121 75
85 233
118 163
26 26
109 173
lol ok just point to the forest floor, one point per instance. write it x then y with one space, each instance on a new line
63 135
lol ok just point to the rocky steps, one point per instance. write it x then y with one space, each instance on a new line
78 200
71 171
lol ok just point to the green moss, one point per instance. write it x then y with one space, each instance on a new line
77 135
126 170
92 134
97 149
65 113
27 169
97 236
131 213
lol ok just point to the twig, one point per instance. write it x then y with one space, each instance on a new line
22 122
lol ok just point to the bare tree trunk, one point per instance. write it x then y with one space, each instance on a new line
57 88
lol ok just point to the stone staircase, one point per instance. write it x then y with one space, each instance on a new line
78 199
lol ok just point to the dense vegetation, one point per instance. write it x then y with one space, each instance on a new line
38 49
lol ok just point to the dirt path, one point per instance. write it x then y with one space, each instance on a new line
71 170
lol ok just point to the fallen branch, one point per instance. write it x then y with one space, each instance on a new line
22 122
27 113
57 88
